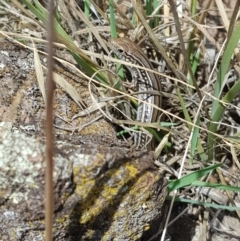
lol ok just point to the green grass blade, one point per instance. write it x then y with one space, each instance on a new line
156 19
210 205
224 66
193 7
231 94
112 20
87 8
190 178
195 137
216 186
114 35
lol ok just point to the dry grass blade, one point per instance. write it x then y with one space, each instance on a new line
49 201
125 19
69 89
80 13
225 20
99 10
223 13
67 15
39 72
27 13
157 44
166 18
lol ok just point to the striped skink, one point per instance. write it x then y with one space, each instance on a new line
142 81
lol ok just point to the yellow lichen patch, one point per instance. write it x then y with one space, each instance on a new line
104 190
61 220
146 227
113 187
132 170
118 181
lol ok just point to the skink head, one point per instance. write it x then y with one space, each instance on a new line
121 46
